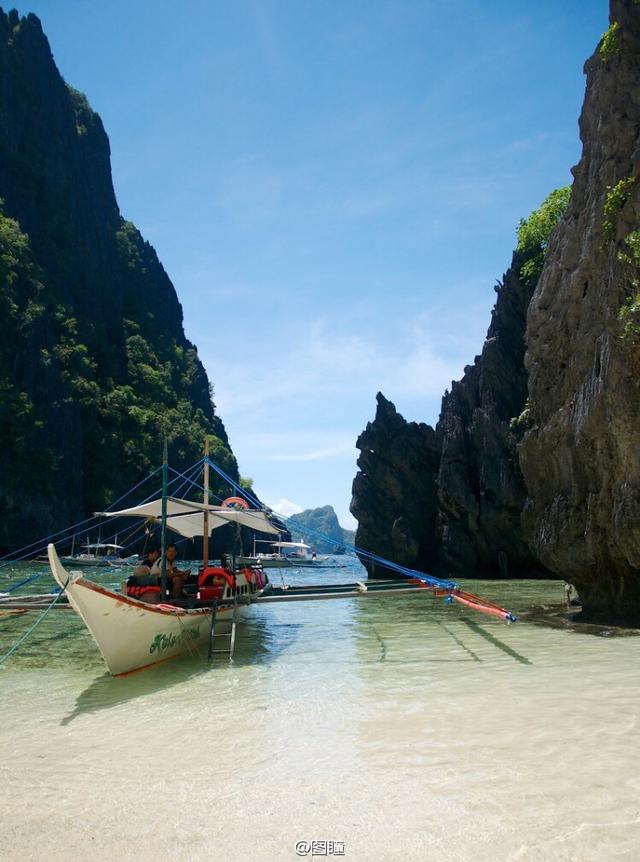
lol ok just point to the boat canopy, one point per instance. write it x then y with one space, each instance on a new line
99 546
187 518
291 545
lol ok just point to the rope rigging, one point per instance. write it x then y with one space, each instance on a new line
446 589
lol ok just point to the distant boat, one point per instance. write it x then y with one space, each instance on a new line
289 555
101 554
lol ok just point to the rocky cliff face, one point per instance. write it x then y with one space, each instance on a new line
94 363
581 460
450 499
480 487
534 467
394 496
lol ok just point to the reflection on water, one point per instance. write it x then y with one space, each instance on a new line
405 727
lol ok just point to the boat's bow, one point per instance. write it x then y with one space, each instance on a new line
129 633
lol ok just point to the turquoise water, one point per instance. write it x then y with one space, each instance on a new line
404 728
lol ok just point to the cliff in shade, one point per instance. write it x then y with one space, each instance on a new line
449 499
581 458
94 363
534 465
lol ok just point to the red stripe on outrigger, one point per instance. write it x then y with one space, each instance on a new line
476 603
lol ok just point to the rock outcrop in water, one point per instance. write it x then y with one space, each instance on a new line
394 496
534 466
581 458
94 363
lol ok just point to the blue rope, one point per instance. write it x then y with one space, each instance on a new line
22 583
129 531
388 564
40 544
32 628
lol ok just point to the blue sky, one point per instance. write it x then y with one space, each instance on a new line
333 188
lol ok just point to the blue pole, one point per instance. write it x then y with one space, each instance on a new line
163 529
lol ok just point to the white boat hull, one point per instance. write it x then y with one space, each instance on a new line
130 634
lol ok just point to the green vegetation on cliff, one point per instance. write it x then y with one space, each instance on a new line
610 43
95 367
615 199
630 312
534 232
21 310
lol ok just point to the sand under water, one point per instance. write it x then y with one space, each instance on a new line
399 729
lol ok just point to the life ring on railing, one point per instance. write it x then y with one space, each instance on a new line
235 503
211 574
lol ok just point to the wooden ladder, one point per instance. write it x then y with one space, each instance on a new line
231 635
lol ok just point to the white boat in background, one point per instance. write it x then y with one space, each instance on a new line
101 554
289 555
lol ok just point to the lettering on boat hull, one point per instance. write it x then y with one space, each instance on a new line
163 642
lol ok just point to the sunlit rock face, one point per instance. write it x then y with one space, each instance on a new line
581 458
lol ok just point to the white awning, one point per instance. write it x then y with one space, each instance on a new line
290 545
99 545
187 518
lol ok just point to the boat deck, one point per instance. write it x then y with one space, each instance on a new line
271 594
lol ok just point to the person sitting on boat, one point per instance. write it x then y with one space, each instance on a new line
174 574
147 563
143 584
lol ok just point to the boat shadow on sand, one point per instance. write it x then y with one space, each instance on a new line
257 644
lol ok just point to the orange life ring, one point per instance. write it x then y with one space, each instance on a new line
235 503
212 574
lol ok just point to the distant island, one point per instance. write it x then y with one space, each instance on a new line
306 525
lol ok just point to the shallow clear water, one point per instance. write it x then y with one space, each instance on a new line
403 727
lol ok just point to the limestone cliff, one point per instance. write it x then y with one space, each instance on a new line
94 363
450 499
581 459
394 495
534 466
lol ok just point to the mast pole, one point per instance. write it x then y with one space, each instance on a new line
163 527
205 499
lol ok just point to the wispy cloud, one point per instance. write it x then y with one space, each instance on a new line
315 455
320 364
284 507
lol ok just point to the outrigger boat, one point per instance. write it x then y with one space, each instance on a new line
132 634
289 555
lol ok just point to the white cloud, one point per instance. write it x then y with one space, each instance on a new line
319 364
285 507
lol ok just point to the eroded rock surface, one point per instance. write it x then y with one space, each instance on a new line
581 460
